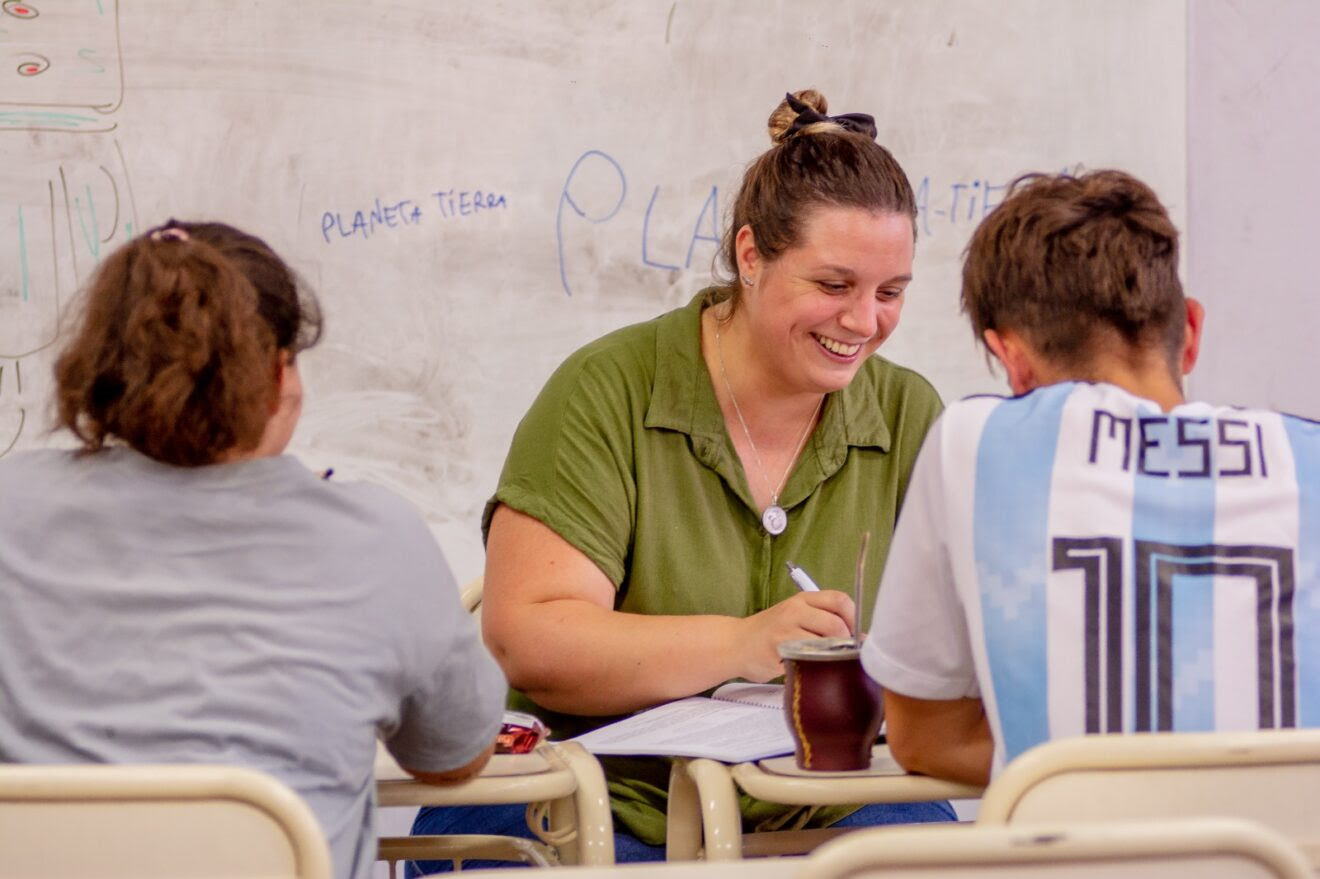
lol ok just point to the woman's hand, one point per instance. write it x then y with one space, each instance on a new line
825 614
548 617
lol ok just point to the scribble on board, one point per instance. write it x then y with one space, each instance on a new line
63 209
53 231
961 202
597 185
967 203
444 204
60 65
19 9
12 418
58 219
595 191
33 65
590 192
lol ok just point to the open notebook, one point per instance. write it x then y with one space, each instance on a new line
737 723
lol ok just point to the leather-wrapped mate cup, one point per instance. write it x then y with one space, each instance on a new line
834 708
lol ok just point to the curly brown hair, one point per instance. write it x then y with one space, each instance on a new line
1069 262
176 350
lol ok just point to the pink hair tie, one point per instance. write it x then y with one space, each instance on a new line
173 233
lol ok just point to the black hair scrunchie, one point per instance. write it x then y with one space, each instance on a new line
862 123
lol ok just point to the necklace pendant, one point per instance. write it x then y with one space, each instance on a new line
774 519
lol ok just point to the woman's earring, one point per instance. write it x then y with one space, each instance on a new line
748 282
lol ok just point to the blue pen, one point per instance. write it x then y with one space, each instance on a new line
801 579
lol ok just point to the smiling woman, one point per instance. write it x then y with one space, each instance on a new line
821 309
636 545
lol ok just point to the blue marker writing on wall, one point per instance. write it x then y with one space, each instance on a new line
585 179
566 198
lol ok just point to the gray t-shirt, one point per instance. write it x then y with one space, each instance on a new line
246 613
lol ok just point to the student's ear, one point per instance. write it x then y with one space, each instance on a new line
1192 334
1010 350
749 258
282 376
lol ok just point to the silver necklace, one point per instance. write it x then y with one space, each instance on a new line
773 518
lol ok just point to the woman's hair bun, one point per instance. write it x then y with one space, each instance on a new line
783 117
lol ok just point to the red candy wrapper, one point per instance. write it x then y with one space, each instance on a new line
520 733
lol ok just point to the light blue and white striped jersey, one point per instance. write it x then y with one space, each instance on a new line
1085 562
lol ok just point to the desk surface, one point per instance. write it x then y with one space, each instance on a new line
508 778
888 783
388 769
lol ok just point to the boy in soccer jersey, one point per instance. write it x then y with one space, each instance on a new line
1095 554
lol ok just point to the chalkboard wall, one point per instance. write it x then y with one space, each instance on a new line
477 188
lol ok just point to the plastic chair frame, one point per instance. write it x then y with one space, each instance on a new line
963 849
146 784
704 818
568 806
1184 759
569 811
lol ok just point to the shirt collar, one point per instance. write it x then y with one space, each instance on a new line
683 399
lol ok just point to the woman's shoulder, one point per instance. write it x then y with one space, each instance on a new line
624 359
634 343
26 459
353 503
354 520
39 469
896 385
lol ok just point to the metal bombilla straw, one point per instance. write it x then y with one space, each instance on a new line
857 588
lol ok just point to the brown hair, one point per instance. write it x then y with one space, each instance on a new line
1069 261
175 352
820 164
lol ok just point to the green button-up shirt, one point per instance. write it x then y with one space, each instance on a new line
625 454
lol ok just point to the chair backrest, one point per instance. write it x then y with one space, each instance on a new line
174 821
1270 776
1222 848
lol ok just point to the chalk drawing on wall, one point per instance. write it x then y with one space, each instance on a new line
60 65
70 201
57 221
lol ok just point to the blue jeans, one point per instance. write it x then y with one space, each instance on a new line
510 820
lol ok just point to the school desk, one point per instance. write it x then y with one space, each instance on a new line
562 780
703 801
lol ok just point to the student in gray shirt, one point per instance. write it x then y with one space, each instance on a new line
178 590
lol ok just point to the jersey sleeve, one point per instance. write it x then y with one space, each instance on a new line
919 644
